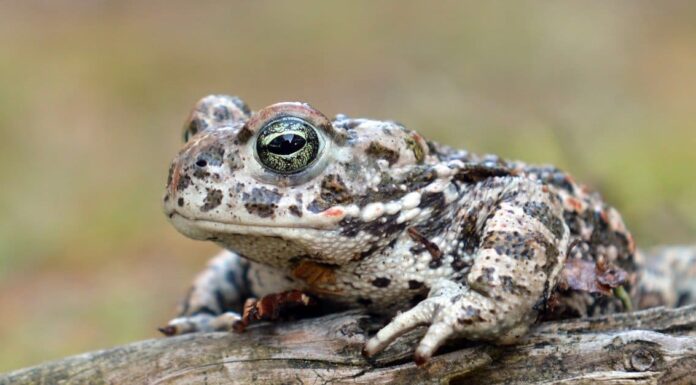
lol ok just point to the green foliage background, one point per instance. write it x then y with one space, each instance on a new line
93 96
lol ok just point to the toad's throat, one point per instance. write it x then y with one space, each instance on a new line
273 245
271 251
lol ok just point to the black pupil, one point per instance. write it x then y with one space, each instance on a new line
286 144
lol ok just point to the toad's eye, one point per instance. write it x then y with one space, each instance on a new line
287 145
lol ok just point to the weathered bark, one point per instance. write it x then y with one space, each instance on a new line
656 346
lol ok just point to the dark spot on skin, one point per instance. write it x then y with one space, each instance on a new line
563 181
388 189
350 124
234 161
432 200
316 206
492 184
195 126
438 220
551 252
221 113
212 200
509 196
184 182
420 177
377 150
245 286
244 135
373 249
458 264
470 316
469 235
487 276
433 249
413 284
511 287
350 227
417 249
180 202
435 263
364 301
572 219
543 214
518 246
552 176
219 300
387 224
417 298
294 210
200 173
475 173
333 192
231 278
261 201
381 282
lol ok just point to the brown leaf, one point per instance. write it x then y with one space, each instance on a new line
591 277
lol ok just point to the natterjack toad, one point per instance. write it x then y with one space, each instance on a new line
366 213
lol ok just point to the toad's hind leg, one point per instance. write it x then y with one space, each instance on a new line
522 249
215 298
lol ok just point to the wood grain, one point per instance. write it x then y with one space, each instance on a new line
656 346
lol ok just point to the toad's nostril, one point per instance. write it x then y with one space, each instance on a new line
210 157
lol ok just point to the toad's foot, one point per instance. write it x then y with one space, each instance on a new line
452 309
201 322
272 307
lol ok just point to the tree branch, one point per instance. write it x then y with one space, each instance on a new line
646 347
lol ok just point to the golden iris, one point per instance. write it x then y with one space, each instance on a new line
287 145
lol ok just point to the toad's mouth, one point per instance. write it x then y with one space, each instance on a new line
205 229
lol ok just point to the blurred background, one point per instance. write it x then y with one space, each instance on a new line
93 95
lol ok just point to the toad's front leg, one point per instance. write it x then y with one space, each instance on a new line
522 247
215 299
218 294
